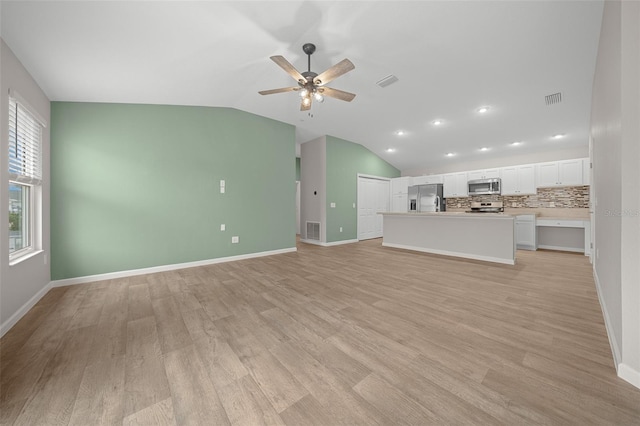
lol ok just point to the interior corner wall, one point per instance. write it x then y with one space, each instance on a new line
615 135
21 284
138 186
313 160
344 161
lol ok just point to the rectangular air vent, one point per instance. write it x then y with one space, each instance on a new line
390 79
555 98
313 231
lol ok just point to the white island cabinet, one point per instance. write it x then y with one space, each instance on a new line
488 236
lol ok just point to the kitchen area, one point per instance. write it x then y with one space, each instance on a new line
489 214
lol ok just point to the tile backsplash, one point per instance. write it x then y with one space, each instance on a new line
565 197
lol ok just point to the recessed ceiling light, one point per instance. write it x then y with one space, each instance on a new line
484 148
558 136
399 132
483 109
437 122
391 150
450 154
516 143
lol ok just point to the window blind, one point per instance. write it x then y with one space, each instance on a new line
25 148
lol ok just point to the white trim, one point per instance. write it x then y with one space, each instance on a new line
451 253
629 374
617 358
333 243
561 248
17 316
362 175
164 268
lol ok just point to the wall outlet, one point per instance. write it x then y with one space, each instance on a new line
333 205
354 205
223 227
222 186
222 189
45 256
552 204
235 240
514 204
341 229
597 253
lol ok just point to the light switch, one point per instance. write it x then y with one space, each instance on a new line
235 240
333 205
354 205
223 227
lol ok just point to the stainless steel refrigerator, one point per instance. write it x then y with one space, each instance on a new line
426 198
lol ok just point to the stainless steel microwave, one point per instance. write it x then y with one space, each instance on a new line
484 186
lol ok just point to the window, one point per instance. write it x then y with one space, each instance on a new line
25 178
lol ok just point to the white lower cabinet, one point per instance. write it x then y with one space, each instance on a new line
526 232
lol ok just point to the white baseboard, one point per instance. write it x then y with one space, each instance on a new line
629 374
617 356
451 253
561 248
164 268
333 243
6 326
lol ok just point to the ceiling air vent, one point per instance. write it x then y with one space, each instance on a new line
555 98
390 79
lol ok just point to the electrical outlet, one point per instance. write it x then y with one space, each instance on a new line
235 239
223 227
552 204
222 189
514 204
333 205
354 205
597 253
45 256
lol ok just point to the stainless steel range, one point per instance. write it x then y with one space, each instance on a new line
486 207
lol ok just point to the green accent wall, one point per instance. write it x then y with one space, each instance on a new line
344 161
136 186
297 168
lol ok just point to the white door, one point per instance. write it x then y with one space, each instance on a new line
373 197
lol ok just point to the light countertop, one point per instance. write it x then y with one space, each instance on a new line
452 214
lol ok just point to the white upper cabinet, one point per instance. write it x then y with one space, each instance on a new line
560 173
586 171
455 185
518 180
423 180
400 185
483 174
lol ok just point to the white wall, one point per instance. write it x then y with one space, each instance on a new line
491 162
615 138
313 185
23 284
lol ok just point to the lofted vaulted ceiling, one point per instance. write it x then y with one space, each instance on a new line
450 58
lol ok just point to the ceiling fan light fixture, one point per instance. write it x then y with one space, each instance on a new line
306 101
318 97
304 93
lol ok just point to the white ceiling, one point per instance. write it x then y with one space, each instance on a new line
450 58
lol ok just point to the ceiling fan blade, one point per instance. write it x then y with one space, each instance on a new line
305 107
290 69
338 94
282 90
342 67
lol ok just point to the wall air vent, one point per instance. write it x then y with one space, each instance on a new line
313 231
555 98
390 79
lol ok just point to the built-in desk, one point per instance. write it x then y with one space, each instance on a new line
564 234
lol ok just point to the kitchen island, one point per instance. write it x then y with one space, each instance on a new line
481 236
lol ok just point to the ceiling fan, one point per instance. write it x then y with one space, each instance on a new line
312 85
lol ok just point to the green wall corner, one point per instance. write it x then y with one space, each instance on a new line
345 160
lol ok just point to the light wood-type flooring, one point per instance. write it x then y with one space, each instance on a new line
353 334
